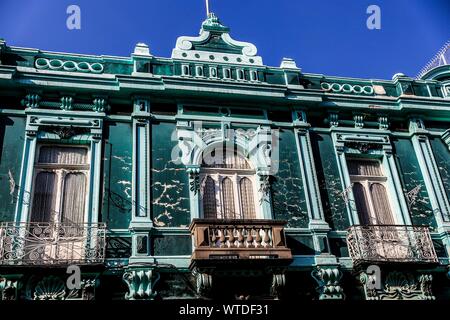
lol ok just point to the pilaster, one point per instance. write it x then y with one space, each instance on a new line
317 224
141 221
430 173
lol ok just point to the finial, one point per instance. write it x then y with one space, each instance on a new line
207 8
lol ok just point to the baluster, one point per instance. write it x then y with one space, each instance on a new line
231 238
222 240
240 237
266 238
258 238
249 238
213 237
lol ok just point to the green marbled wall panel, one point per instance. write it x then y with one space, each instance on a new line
12 135
117 175
288 197
442 157
411 177
329 181
172 245
169 181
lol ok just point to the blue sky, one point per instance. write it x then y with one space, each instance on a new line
323 36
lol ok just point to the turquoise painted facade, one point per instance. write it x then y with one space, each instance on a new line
133 114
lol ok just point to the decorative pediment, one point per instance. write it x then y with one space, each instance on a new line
215 45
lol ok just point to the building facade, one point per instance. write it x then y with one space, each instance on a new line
210 175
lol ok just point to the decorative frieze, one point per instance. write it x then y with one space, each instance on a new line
66 103
398 286
69 66
55 288
347 88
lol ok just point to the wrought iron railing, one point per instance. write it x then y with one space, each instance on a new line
390 243
41 243
239 239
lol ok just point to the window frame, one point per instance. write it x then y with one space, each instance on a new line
367 181
235 175
60 170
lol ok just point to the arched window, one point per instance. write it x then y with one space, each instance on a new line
361 203
229 210
381 204
209 199
247 202
228 183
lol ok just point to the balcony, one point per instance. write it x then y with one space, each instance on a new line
50 244
232 241
391 244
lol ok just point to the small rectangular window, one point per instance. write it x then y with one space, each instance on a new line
185 70
213 72
240 74
227 73
199 71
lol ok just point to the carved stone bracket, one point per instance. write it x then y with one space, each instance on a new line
333 119
397 286
416 125
328 279
359 121
141 284
100 105
278 285
383 123
446 138
67 103
203 283
31 100
9 289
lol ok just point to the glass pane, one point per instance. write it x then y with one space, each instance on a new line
44 197
247 203
381 204
228 199
74 198
362 206
223 158
62 155
209 199
364 168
